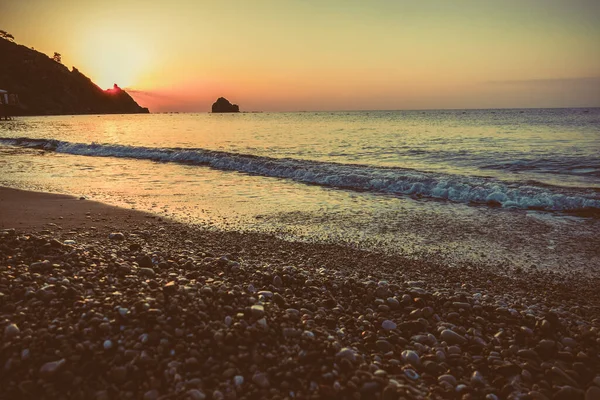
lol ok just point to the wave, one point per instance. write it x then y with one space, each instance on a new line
397 181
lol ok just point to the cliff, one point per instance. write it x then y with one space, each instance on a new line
47 87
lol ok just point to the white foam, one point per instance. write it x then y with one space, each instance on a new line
397 181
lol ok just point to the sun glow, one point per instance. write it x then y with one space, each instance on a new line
113 56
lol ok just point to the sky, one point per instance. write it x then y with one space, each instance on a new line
297 55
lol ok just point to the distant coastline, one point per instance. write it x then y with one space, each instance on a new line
46 87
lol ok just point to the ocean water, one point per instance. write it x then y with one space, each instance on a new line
503 187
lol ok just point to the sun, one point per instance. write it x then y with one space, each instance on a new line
113 56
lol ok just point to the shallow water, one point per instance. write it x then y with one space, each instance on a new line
497 186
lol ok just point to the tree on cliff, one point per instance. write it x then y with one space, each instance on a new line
7 36
57 57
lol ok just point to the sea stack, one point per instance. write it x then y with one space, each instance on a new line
222 105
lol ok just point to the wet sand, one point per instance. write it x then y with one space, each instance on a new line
98 302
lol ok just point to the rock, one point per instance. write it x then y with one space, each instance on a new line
108 344
593 393
277 282
238 380
222 105
411 357
261 380
11 331
42 266
388 325
147 272
116 236
411 374
347 353
452 337
151 395
258 311
118 375
50 369
279 300
145 261
477 379
195 394
384 346
447 378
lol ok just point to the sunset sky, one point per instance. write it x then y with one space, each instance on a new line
180 55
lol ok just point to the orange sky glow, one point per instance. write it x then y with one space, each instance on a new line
180 55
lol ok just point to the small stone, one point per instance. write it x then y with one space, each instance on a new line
170 288
258 311
447 378
388 325
151 395
116 236
277 282
411 374
118 375
147 272
195 394
477 379
411 357
108 344
70 242
262 323
593 393
384 346
145 261
452 337
49 369
11 331
347 353
261 380
238 380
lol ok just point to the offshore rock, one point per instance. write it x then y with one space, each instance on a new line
222 105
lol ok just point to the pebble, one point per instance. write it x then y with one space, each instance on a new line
384 346
195 394
238 380
116 236
347 353
258 311
388 325
11 331
108 344
411 374
50 368
447 378
411 357
277 282
593 393
261 380
147 272
451 337
151 395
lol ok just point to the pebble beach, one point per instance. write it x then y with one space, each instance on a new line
98 302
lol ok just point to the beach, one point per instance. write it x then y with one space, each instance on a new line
100 302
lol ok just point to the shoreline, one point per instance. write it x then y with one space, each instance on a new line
192 324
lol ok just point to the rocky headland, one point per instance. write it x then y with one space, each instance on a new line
47 87
102 303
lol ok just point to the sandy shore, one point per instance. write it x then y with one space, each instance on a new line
98 302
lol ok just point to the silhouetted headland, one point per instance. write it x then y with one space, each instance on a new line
222 105
46 87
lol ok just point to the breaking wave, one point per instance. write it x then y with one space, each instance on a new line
397 181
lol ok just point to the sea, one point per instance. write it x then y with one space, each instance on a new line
508 188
